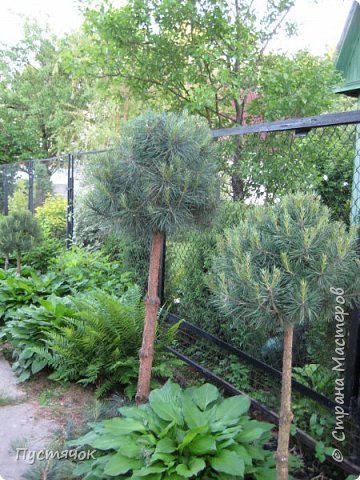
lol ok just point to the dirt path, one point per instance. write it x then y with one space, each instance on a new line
33 416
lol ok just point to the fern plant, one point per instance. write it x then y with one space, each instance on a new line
99 344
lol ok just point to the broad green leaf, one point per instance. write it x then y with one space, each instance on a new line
265 474
150 469
205 395
107 442
123 426
253 431
38 365
228 462
193 416
202 445
165 404
191 434
24 376
233 407
194 466
165 445
118 464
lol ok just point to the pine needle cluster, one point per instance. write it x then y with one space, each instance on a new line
280 263
19 232
162 178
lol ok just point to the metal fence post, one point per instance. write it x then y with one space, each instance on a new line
353 361
31 187
6 190
70 202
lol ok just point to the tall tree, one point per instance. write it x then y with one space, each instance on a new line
162 180
210 58
40 102
282 267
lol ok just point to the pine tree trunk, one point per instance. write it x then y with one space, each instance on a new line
18 270
286 416
152 303
6 264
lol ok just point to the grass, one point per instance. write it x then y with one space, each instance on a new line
17 443
4 401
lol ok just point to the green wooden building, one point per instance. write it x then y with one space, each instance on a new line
348 53
347 61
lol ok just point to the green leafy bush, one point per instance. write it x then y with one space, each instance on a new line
26 333
42 256
99 343
316 377
52 216
29 289
73 272
83 270
181 434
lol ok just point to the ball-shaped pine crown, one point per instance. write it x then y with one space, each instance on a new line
283 263
162 178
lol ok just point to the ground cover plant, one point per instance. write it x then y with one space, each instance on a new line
193 433
92 338
27 330
75 271
99 343
277 268
162 179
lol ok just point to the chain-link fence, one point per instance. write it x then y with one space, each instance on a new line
271 160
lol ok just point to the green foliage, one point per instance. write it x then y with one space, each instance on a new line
189 257
317 377
72 272
99 343
52 216
29 289
41 257
279 265
41 104
212 59
163 177
181 434
18 201
83 270
27 329
208 58
19 232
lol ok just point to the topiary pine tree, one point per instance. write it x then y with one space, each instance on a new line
19 232
163 179
277 268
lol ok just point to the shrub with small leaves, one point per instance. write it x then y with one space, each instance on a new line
193 433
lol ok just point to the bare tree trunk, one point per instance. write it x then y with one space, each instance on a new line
152 303
18 270
6 263
286 416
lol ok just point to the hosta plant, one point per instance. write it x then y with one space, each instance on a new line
179 434
29 289
26 332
